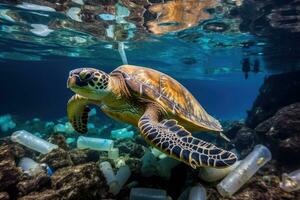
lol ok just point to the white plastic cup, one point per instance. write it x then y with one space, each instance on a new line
197 193
147 194
32 142
247 168
94 143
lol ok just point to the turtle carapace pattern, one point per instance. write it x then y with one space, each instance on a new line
163 109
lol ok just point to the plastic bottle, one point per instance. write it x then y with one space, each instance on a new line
109 175
197 193
29 166
211 174
94 143
122 176
115 182
290 182
247 168
147 194
33 142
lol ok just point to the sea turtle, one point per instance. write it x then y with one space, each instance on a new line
164 111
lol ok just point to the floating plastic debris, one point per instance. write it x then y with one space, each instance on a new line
245 170
40 30
94 143
32 142
93 112
70 140
290 182
4 14
59 128
64 128
115 182
49 124
6 123
147 194
122 133
30 6
122 53
210 174
74 13
197 193
107 17
80 2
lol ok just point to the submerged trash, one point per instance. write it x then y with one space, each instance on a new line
6 123
122 133
147 194
247 168
32 142
210 174
74 13
115 182
197 192
94 143
290 182
122 53
33 168
40 30
151 166
113 153
30 167
30 6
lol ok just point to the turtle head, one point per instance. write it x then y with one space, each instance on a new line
89 82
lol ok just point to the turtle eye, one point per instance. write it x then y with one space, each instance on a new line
85 75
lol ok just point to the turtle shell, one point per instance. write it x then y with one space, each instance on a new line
170 94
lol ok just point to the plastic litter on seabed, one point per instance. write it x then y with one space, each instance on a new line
32 142
290 182
245 170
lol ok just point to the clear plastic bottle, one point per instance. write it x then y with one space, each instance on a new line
32 142
29 166
246 169
94 143
110 177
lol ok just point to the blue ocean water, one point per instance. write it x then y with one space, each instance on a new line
239 58
208 52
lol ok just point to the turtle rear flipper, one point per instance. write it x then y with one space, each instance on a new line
77 110
177 142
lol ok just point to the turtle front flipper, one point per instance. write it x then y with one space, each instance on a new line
177 142
77 110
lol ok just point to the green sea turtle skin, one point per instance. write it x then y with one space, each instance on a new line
164 110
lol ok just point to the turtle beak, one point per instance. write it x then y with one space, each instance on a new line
71 82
